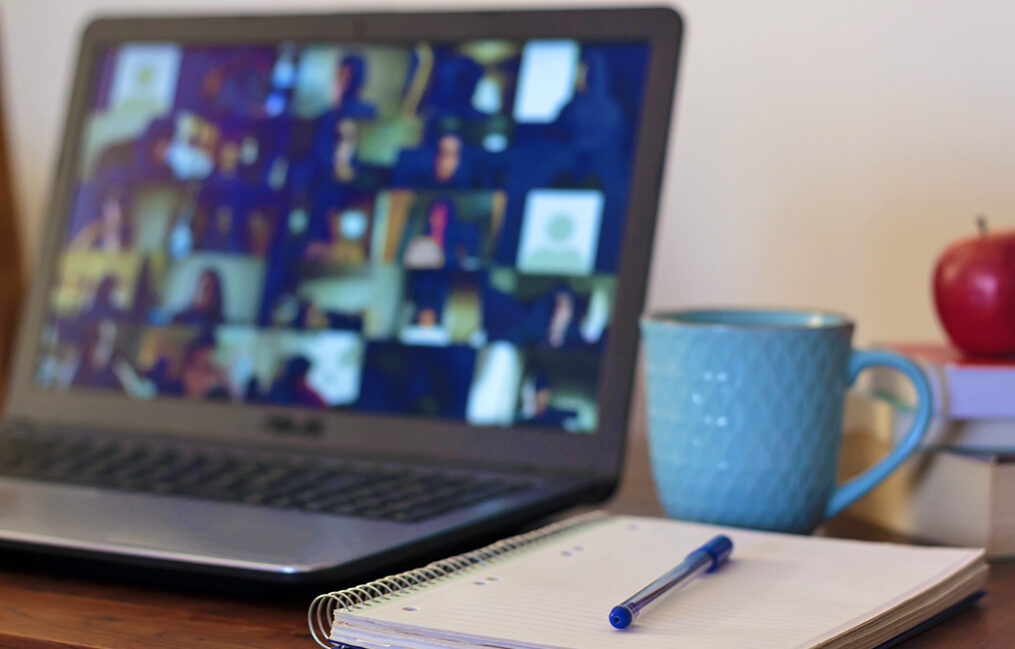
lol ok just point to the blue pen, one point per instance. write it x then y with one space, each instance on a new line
707 558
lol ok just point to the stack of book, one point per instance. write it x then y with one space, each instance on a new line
959 489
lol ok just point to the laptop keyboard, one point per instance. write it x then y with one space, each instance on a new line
381 492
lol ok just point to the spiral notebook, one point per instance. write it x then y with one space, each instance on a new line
553 588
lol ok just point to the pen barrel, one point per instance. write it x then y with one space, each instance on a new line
696 563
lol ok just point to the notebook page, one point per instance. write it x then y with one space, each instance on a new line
776 591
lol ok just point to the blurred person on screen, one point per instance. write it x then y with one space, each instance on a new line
206 309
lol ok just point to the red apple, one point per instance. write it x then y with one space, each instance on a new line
974 289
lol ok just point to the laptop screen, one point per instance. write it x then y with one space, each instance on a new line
429 229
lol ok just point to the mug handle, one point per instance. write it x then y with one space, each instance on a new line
845 494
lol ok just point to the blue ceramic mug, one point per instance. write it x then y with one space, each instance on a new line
745 415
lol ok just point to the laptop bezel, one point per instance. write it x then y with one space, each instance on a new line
599 453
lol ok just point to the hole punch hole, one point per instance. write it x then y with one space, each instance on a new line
409 608
567 553
480 583
493 578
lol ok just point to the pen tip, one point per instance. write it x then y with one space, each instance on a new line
620 617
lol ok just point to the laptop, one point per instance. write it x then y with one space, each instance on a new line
319 293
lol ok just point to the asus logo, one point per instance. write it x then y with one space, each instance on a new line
283 425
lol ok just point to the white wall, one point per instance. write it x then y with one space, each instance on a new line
824 151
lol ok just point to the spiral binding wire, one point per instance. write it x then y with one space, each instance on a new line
323 608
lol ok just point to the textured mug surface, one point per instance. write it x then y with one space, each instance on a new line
745 415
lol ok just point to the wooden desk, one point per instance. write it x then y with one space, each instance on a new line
40 609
